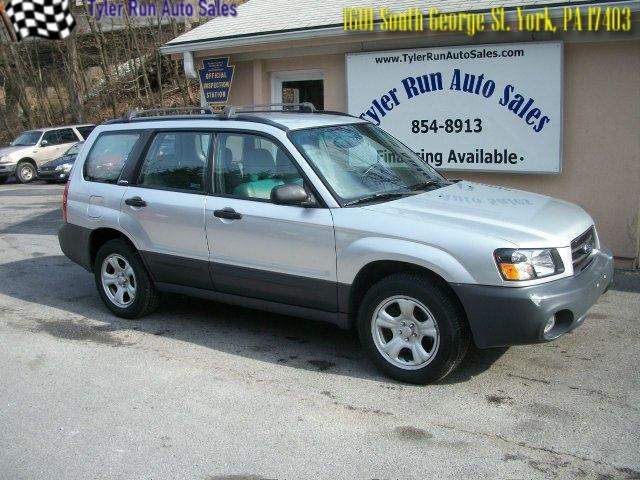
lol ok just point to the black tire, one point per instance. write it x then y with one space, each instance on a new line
3 179
147 296
454 335
26 172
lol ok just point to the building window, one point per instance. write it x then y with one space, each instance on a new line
298 87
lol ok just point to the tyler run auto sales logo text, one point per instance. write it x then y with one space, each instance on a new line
51 19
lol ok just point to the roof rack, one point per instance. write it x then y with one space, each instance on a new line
231 110
159 112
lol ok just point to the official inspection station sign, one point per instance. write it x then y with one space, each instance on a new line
492 108
216 77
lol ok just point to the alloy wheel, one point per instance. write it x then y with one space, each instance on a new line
118 280
26 172
405 332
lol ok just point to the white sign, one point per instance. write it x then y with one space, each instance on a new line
492 108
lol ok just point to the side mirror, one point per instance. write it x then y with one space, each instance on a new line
44 143
291 194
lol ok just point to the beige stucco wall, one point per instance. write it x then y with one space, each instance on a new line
601 162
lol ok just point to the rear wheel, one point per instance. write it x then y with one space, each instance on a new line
123 281
413 329
3 179
26 172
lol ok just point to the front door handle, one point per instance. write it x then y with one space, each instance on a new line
228 213
135 202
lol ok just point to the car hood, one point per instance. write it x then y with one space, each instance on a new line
11 149
60 161
526 219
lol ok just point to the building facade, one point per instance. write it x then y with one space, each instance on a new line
304 51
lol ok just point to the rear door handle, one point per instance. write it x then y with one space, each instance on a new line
135 202
228 213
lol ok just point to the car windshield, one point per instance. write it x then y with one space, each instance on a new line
26 139
75 150
361 162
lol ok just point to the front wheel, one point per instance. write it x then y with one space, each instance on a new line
26 172
413 329
123 282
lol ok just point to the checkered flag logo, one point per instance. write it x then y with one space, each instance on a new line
51 19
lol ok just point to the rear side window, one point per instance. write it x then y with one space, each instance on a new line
177 161
52 137
85 131
108 156
67 135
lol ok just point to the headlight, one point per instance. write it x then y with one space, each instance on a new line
65 167
4 159
519 264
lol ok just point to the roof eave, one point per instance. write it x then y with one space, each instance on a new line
336 30
250 39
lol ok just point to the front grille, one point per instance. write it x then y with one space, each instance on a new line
582 249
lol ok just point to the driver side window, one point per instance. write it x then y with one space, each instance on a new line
250 166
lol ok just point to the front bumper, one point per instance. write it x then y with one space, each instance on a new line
53 175
503 316
7 169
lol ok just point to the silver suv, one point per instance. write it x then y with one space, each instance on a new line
24 156
325 216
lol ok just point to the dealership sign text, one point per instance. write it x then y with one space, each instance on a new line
492 108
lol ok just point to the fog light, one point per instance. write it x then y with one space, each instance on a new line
550 324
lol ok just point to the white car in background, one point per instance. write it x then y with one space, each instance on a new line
32 148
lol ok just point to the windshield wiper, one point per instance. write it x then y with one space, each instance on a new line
377 196
430 183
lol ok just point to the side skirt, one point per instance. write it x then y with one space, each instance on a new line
340 320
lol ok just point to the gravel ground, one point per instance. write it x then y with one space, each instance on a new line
201 390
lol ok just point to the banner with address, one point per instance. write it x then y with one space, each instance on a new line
492 108
216 76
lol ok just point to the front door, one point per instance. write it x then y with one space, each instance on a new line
164 210
57 142
283 254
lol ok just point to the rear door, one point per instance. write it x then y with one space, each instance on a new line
163 209
283 254
95 201
67 138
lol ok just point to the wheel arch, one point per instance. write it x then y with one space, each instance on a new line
368 261
100 236
28 160
375 271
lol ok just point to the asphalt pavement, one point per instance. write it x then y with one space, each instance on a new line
200 390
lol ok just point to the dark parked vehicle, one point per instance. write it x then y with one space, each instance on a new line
58 170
